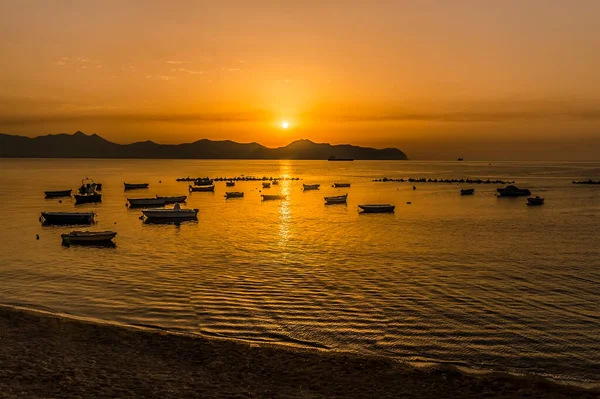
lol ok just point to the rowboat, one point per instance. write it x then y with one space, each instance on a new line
467 191
512 191
59 193
271 197
68 217
210 187
134 186
230 184
171 214
266 185
535 201
340 199
203 182
338 185
133 202
377 208
308 187
173 200
234 194
87 198
88 237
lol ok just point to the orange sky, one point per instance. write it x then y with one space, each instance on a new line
437 79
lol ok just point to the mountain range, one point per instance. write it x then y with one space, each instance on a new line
81 145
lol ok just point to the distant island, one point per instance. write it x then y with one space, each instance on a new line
81 145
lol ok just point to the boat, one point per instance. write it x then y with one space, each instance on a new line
135 186
339 185
467 191
459 159
133 202
98 186
205 181
234 194
87 192
173 200
68 217
308 187
267 197
334 158
59 193
340 199
535 201
377 208
88 237
266 184
230 184
512 191
176 213
210 187
275 182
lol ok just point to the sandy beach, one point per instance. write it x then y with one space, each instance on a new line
46 356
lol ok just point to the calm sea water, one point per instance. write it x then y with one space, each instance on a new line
481 281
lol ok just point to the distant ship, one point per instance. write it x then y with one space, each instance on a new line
459 159
333 158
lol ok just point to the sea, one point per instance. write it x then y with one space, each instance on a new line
479 281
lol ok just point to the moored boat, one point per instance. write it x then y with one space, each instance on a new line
230 184
66 218
173 200
271 197
339 199
512 191
205 181
308 187
88 237
275 182
210 187
377 208
135 186
133 202
59 193
266 184
176 213
535 200
467 191
234 194
339 185
87 192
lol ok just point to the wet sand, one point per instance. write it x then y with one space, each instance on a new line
46 356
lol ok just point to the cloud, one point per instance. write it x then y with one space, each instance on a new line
175 62
232 69
159 77
59 63
191 72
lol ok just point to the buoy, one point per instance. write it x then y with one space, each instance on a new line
409 202
37 236
60 201
160 181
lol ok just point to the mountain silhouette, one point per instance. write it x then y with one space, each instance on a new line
81 145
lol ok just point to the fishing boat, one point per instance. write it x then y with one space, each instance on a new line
512 191
66 218
88 237
205 181
210 187
267 197
275 182
377 208
266 184
176 213
98 186
340 199
135 186
234 194
308 187
173 200
230 184
59 193
339 185
133 202
467 191
535 201
87 192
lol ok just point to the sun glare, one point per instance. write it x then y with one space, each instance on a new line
285 125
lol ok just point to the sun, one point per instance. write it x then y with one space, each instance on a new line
285 125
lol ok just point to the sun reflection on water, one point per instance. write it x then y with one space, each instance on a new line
285 214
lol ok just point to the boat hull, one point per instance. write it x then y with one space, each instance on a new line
86 199
169 214
308 187
67 218
86 237
341 185
340 199
273 197
234 195
136 202
56 194
210 188
173 200
467 192
387 208
135 186
512 191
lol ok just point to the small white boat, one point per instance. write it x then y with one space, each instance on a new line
377 208
535 201
173 200
208 188
230 184
338 185
146 201
234 194
266 184
340 199
308 187
272 197
171 214
88 237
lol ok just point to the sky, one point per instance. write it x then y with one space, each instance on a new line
437 79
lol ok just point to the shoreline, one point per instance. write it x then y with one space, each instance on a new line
46 355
